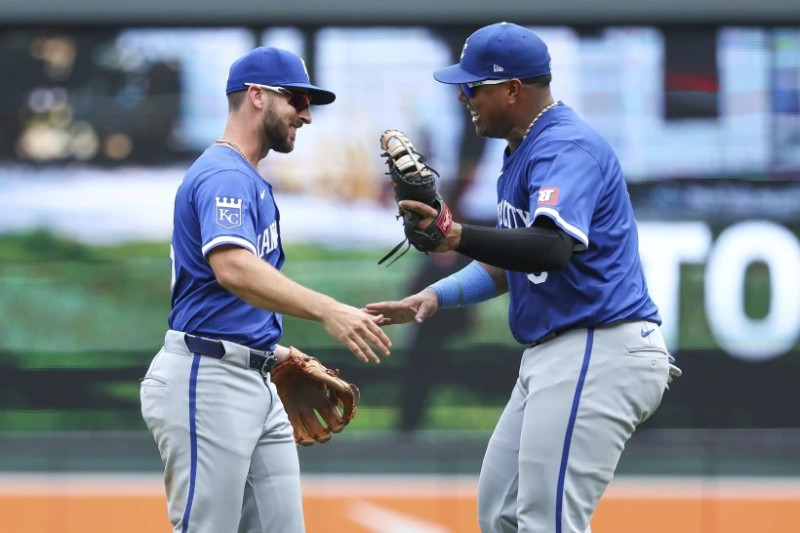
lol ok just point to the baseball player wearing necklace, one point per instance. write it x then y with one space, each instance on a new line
229 454
565 248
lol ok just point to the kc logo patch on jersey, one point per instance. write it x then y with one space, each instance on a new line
548 196
228 212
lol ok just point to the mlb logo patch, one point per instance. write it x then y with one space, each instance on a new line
228 212
548 196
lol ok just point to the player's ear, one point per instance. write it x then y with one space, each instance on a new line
257 96
514 88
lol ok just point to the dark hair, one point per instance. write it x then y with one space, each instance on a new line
235 100
542 81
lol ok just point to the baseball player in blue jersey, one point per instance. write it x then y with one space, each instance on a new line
230 459
565 248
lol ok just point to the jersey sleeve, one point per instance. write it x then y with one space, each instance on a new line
565 187
226 210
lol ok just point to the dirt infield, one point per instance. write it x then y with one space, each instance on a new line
374 504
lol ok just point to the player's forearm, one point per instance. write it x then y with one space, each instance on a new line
498 275
263 286
272 290
530 249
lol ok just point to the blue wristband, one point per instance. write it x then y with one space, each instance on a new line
470 285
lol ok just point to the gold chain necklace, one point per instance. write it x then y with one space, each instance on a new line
542 112
235 147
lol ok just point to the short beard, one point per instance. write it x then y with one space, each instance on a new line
275 132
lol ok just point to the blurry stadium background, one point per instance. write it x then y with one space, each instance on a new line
104 106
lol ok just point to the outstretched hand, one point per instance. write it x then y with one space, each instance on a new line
357 329
414 308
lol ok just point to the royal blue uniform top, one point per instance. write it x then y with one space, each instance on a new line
222 201
566 171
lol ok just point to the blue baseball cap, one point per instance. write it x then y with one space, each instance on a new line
499 51
275 67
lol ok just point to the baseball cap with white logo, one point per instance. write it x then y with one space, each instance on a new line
499 51
277 68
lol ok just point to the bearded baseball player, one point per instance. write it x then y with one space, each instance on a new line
217 394
594 363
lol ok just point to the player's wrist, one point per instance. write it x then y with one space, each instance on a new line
452 240
323 308
431 293
470 285
281 353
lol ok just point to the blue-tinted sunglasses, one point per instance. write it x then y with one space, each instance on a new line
467 87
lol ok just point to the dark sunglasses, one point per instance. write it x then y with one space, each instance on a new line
467 87
299 101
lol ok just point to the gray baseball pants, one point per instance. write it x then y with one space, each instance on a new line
230 460
576 402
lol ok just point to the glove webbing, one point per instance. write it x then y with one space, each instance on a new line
408 170
413 218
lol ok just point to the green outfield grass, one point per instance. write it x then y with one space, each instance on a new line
369 418
63 296
70 306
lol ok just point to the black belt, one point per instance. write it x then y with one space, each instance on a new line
260 361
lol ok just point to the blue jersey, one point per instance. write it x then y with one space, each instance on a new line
222 201
567 172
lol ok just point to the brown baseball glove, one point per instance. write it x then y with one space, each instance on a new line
307 389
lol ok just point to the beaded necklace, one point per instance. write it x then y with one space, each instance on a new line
542 112
235 147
